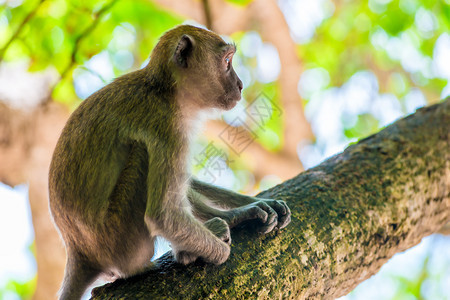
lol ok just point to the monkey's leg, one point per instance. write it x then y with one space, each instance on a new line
191 239
78 276
272 213
233 217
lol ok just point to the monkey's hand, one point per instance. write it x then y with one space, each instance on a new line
274 214
220 229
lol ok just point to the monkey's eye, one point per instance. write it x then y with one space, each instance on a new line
228 62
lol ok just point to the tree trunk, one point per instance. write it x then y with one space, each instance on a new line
27 140
350 214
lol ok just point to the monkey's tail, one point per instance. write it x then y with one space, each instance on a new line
78 276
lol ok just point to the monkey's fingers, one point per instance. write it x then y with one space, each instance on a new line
255 212
185 258
272 217
220 229
283 211
278 205
285 219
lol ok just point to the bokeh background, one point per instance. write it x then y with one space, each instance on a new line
318 75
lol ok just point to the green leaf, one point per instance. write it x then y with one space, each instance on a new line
240 2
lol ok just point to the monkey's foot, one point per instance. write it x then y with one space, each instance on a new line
273 214
185 258
283 212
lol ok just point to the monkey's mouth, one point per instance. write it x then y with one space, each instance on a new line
232 102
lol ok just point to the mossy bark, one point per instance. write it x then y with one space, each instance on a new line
350 214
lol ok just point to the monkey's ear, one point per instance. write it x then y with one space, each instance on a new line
183 51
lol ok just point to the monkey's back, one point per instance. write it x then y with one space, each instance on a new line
97 150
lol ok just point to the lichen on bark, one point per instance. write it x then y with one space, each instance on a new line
350 214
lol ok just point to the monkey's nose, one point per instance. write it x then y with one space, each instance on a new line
240 85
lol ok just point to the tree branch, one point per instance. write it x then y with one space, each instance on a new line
350 214
274 29
207 11
19 29
73 57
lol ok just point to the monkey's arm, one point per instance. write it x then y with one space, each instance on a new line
168 214
191 239
272 213
220 196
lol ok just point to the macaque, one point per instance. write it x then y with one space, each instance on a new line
119 175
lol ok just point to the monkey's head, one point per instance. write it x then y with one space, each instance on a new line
201 64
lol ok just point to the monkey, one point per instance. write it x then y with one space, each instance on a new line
119 175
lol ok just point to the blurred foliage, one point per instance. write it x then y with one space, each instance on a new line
345 42
420 273
392 39
13 289
355 36
240 2
61 35
22 288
